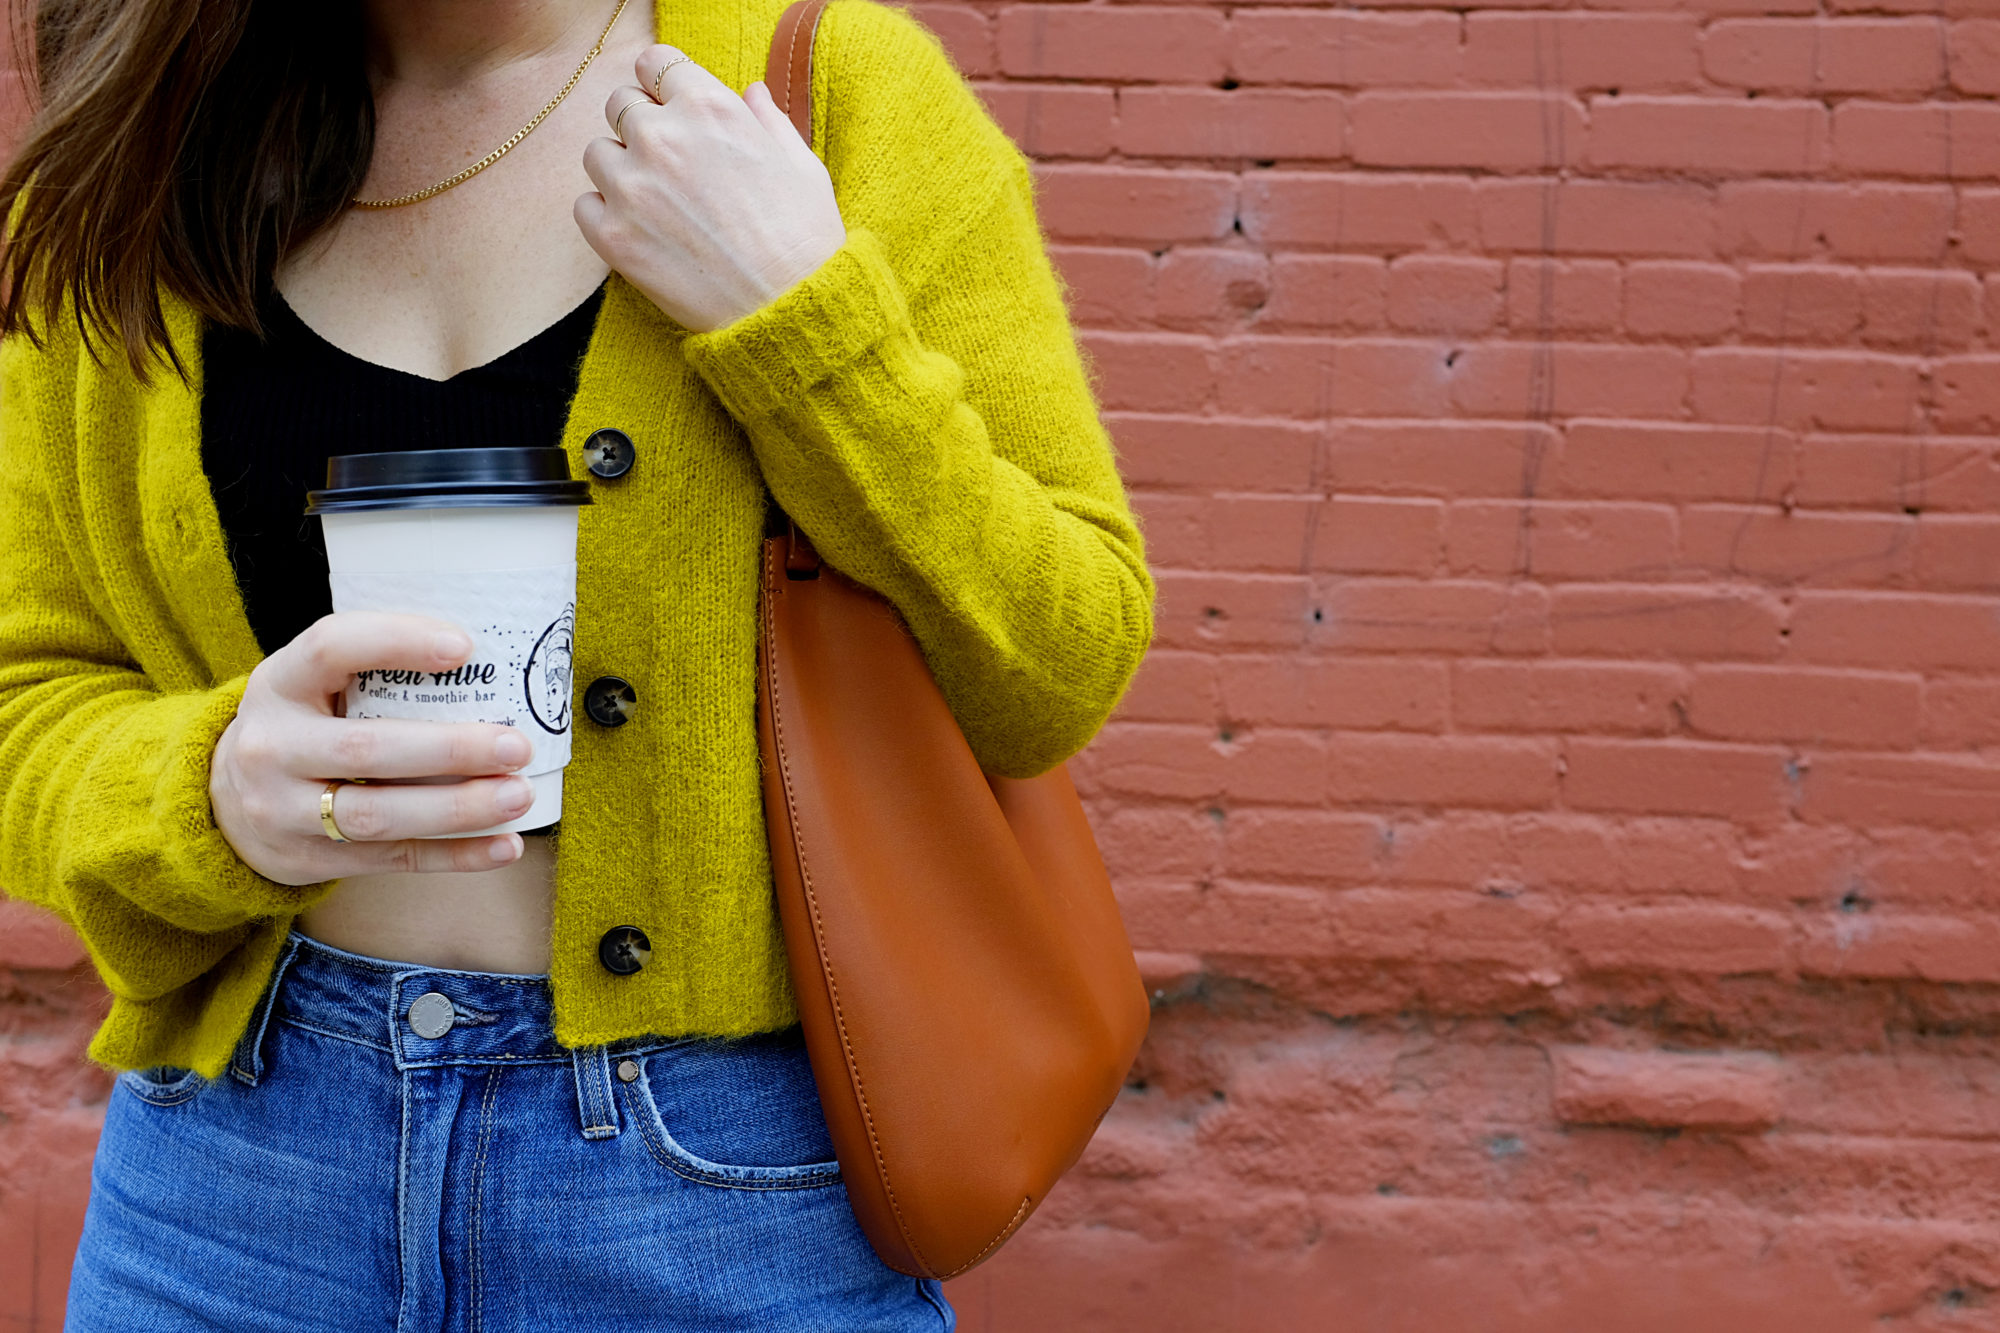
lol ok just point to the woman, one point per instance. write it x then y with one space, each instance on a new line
421 1078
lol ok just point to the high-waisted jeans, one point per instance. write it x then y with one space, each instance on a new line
350 1173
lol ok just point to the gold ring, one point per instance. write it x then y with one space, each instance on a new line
617 132
326 812
677 60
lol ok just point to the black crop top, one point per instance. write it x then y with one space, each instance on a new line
272 410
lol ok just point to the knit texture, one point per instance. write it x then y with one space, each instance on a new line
919 405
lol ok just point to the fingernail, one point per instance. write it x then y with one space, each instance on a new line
517 797
502 849
512 750
452 643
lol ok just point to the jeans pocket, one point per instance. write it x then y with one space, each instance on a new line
740 1113
162 1085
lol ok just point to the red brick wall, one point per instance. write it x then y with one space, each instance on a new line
1555 814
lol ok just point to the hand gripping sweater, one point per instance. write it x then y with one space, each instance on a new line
919 405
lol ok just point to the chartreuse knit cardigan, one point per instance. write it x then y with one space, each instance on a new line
918 404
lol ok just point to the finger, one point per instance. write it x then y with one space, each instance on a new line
632 104
428 855
318 662
680 73
765 108
602 157
404 748
391 812
588 210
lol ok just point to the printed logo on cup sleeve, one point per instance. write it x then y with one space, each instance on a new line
523 627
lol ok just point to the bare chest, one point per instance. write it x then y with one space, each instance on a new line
455 280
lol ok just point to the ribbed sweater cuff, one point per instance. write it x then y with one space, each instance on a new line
761 362
199 849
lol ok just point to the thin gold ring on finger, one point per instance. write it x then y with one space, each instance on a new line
677 60
617 132
326 811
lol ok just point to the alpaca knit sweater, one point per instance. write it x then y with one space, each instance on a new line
919 405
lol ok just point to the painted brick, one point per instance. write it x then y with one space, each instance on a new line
1054 120
1438 458
1882 56
1669 300
1105 286
1326 291
1815 707
1892 631
1377 768
1092 203
1553 696
1246 122
1444 293
1707 136
1864 221
1801 303
1214 452
1661 1090
1351 693
1377 535
1557 539
1683 937
1126 43
1390 213
1974 53
1833 390
1672 623
1659 461
1925 310
1210 287
1499 131
1586 52
1799 547
1547 296
1899 472
1597 217
1675 777
1344 49
1959 140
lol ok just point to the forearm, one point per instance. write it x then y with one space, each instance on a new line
1014 559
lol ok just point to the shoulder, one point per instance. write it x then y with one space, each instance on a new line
906 139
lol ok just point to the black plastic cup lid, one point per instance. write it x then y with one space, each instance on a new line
447 479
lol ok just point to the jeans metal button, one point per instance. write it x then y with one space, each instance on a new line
627 1070
431 1015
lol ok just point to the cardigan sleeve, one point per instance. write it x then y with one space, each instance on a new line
920 407
104 809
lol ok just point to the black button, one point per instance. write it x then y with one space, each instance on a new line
624 950
609 701
609 453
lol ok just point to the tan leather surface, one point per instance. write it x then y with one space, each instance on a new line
966 987
788 73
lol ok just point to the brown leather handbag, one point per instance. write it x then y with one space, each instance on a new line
968 994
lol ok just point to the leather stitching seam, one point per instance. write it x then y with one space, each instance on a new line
771 574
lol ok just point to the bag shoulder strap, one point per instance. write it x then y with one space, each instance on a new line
788 72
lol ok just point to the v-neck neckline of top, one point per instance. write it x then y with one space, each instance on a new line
279 311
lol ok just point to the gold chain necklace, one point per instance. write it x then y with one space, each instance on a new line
416 196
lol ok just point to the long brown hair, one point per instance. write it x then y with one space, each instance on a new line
184 144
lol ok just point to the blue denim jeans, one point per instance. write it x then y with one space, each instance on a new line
348 1173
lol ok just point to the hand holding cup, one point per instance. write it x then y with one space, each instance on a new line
285 744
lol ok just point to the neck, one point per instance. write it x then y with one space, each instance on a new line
441 43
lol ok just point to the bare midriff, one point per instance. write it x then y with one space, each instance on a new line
479 921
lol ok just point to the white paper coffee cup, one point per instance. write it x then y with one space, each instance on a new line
486 539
